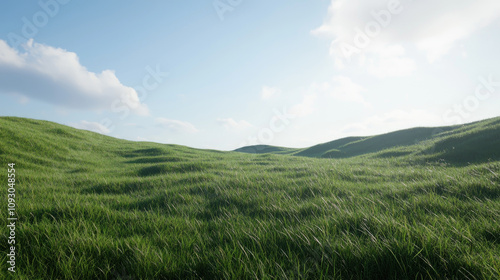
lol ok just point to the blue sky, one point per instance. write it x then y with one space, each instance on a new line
223 74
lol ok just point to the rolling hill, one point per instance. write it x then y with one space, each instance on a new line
90 206
474 142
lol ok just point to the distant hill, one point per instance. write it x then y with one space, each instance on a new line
45 144
474 142
265 149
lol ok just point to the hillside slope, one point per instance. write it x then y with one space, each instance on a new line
95 207
38 144
474 142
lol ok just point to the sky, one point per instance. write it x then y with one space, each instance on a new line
222 74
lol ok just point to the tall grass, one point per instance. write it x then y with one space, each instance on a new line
93 207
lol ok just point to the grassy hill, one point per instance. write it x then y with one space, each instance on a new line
475 142
266 149
95 207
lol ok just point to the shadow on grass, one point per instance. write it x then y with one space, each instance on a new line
305 192
391 154
470 148
221 205
461 192
145 152
477 190
118 188
195 179
155 160
491 235
52 215
164 203
165 169
292 172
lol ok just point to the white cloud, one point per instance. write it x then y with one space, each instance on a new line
269 92
231 124
451 22
56 76
175 125
305 107
360 28
343 88
391 62
340 88
92 126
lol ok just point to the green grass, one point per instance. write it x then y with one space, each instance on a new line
265 149
471 143
95 207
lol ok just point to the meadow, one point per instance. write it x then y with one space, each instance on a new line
96 207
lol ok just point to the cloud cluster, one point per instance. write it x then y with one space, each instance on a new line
363 30
231 124
56 76
340 88
306 107
269 92
176 125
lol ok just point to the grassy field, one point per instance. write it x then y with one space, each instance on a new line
95 207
